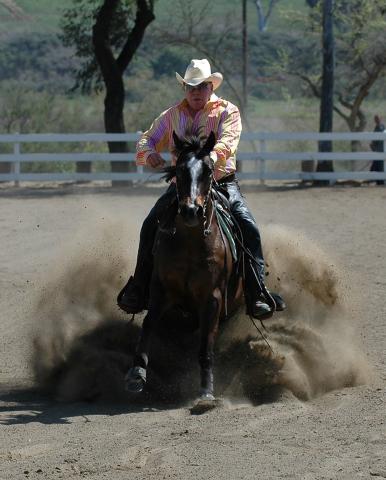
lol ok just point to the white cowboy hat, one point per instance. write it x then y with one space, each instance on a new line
199 71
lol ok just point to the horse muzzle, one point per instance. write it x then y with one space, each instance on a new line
190 214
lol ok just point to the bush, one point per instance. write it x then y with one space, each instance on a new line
37 61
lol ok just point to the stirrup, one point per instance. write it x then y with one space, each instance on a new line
280 303
259 310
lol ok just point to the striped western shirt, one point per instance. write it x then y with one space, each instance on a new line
218 115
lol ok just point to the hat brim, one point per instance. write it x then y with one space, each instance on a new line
216 78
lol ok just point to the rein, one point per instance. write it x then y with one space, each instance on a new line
207 229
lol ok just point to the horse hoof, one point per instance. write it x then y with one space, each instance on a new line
206 397
204 404
135 380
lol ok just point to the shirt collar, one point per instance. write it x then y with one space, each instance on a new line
213 99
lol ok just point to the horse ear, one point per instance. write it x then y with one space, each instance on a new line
177 142
209 144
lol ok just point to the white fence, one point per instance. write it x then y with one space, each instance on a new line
254 162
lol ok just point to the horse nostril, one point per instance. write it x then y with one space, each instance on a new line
192 210
189 211
199 209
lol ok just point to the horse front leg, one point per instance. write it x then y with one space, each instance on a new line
136 376
209 320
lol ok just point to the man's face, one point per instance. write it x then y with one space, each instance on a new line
197 97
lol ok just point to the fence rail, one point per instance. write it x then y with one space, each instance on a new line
254 163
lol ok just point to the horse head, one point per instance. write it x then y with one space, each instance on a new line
194 174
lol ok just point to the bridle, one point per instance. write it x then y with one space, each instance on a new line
207 221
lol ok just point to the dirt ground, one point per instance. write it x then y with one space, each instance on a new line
65 252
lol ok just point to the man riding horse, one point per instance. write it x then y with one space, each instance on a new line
199 113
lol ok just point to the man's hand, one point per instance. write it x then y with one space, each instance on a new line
155 160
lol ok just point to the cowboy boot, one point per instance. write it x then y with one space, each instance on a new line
257 306
133 298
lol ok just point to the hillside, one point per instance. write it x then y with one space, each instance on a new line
44 15
28 16
33 61
31 52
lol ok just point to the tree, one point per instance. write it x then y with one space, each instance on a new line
360 36
244 53
106 34
264 17
362 56
327 89
217 40
14 9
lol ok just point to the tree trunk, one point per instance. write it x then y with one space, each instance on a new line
327 100
113 69
245 55
263 19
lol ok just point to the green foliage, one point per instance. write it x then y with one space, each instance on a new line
27 111
37 61
168 60
360 54
144 105
76 25
357 26
155 56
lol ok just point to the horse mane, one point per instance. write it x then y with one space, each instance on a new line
168 173
190 143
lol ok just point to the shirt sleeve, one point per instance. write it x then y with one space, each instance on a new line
154 140
228 137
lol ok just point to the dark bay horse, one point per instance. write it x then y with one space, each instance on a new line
193 269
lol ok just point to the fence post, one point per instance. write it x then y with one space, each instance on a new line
263 149
140 171
16 165
383 163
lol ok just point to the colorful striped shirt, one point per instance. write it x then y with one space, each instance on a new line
218 115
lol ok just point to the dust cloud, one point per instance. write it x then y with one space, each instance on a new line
314 347
78 328
83 344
